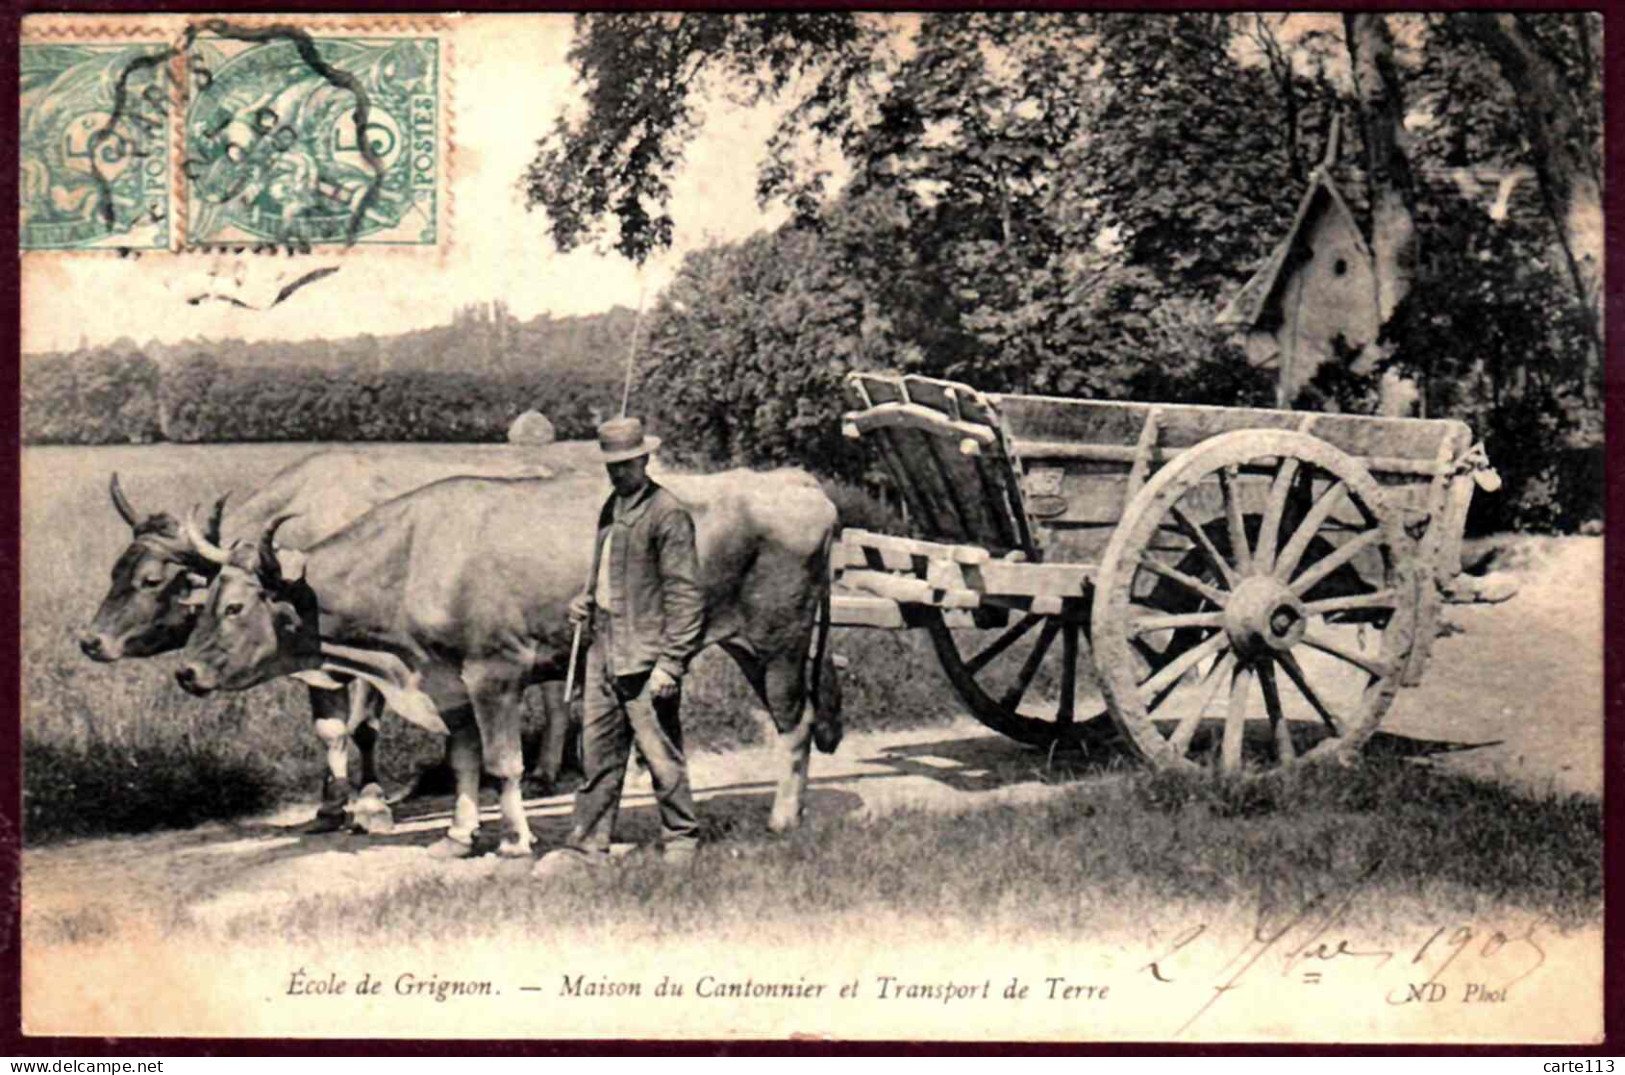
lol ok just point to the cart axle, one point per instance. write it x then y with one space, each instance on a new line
1263 614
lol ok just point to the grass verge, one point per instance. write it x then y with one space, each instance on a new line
1383 837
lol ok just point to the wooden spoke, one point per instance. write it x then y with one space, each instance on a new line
1319 512
1069 673
1180 741
1239 552
1168 621
1169 673
1301 498
1022 712
1294 672
1003 642
1270 530
1235 718
1334 560
1204 545
1359 660
1012 697
1284 751
1147 652
1194 585
1384 599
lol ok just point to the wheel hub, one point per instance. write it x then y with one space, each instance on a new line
1263 614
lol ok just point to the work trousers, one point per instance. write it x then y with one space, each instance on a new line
615 711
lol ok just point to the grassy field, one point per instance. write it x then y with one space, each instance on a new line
120 748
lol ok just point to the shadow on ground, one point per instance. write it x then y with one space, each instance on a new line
727 813
988 763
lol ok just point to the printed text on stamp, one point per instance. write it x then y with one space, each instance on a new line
310 141
93 169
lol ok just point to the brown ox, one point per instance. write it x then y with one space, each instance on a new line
452 598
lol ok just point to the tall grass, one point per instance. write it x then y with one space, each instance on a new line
120 748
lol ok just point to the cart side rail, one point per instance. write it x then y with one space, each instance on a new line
1050 477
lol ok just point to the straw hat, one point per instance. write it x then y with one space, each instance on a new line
620 439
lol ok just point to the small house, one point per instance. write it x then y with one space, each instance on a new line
1314 298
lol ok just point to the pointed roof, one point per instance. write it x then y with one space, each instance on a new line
1258 293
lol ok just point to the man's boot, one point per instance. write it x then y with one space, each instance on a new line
330 816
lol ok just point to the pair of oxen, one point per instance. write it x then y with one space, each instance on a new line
444 596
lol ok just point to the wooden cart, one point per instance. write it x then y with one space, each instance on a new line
1254 585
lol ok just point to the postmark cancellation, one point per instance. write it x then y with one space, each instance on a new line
234 134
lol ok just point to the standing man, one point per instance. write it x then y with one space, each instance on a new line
646 615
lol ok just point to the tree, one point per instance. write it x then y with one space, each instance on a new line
1391 187
644 78
185 399
746 351
1037 192
50 400
1562 143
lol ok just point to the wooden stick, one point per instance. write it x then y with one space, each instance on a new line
570 673
632 353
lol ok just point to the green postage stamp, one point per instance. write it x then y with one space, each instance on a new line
235 133
299 139
93 158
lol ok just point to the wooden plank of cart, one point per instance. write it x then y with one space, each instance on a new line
1231 587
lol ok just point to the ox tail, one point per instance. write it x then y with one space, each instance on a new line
826 726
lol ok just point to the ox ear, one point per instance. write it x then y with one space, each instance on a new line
285 617
195 582
291 564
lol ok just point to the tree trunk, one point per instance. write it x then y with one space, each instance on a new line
1388 176
1562 155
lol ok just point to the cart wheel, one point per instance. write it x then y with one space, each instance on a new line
1004 677
1311 597
1032 681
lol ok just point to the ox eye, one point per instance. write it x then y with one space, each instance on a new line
234 609
152 582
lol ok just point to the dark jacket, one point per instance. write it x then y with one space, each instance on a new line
656 612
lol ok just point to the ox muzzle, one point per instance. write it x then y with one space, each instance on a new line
195 680
100 647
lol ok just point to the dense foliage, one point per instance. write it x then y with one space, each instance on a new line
1061 203
463 382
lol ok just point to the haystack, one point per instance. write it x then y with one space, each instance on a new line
532 427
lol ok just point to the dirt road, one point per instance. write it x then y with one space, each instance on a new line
1516 693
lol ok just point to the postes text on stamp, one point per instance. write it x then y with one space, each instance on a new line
303 139
93 160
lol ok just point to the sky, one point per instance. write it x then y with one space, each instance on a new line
508 80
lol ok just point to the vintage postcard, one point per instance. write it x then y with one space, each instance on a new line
1040 527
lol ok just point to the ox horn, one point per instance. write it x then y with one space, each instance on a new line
121 503
269 564
215 516
206 548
